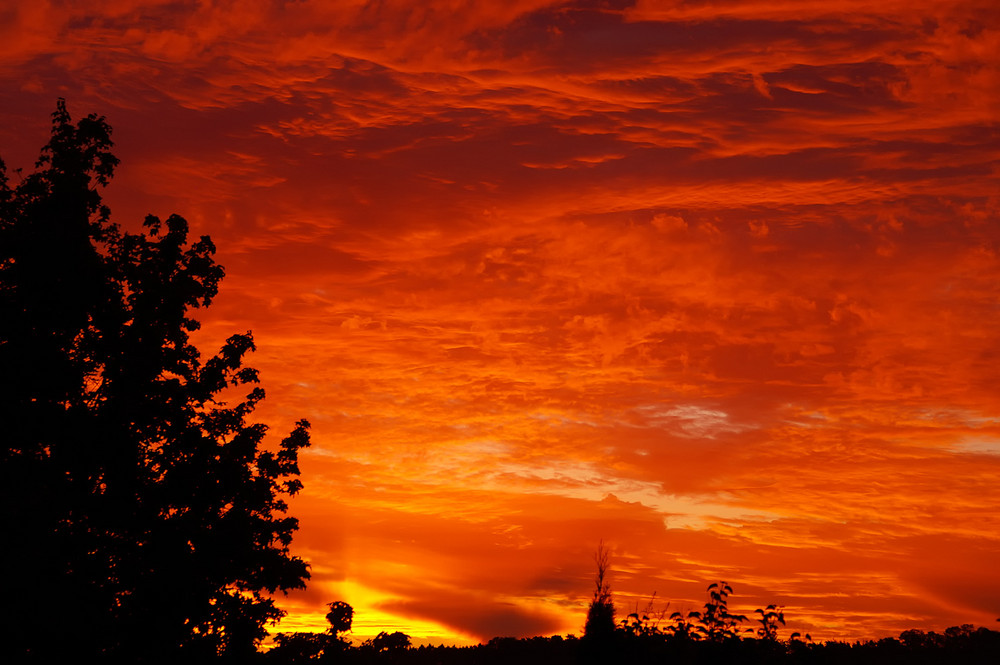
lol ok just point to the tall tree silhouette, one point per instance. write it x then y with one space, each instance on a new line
144 517
601 611
599 629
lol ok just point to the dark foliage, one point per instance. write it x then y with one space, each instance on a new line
710 637
769 620
715 635
340 617
143 516
964 644
599 629
320 647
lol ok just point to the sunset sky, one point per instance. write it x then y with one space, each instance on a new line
717 282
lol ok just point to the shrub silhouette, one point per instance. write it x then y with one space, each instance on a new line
133 496
717 623
769 620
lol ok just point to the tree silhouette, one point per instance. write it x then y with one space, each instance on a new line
329 646
135 500
340 617
601 612
388 642
599 629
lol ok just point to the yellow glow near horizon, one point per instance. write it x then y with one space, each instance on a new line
370 619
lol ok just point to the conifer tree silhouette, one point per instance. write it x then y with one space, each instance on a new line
601 611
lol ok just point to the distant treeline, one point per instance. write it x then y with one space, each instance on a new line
708 636
964 645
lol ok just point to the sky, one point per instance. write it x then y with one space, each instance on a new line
715 282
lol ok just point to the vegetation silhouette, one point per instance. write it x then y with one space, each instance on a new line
599 629
329 646
145 519
332 647
641 639
601 611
